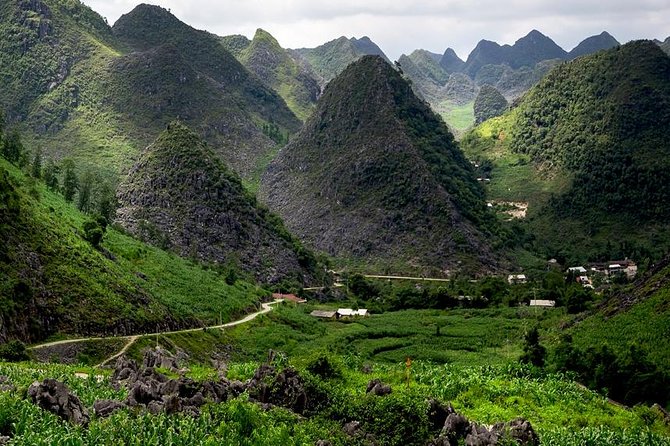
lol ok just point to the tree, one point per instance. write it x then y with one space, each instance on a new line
36 170
13 351
50 174
70 181
533 352
93 232
12 149
106 201
85 188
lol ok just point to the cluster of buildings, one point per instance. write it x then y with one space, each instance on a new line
585 275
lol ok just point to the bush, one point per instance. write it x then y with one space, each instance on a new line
325 367
13 351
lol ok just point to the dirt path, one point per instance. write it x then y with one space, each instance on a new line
427 279
265 308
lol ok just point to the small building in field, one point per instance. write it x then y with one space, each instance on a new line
324 314
515 279
289 298
348 312
542 303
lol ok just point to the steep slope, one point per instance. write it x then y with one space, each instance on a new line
587 149
331 58
593 44
53 54
215 93
621 95
74 89
451 62
527 51
180 196
376 177
489 104
54 281
278 70
665 46
621 345
426 63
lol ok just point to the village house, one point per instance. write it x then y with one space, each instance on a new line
324 314
515 279
289 298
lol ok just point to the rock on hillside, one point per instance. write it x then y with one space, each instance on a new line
451 62
180 196
376 176
489 104
665 46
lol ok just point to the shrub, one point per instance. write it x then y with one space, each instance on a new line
13 351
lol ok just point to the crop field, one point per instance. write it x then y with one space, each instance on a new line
563 413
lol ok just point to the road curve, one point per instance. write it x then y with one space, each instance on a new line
265 308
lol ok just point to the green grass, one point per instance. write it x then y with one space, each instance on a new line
467 337
126 286
459 117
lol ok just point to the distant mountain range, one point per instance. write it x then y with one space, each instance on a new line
451 83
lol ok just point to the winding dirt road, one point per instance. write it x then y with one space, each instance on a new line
265 308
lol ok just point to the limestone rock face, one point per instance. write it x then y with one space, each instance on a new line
180 196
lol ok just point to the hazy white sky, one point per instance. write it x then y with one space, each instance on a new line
400 27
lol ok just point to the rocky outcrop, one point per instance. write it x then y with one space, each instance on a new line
458 430
6 385
180 196
285 388
376 387
104 408
55 397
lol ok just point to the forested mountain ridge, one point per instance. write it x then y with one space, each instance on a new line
180 196
331 58
82 90
376 176
206 88
278 69
603 118
585 148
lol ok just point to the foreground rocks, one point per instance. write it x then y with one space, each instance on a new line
153 392
55 397
6 385
457 430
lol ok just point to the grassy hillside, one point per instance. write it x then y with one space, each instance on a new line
79 89
56 281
